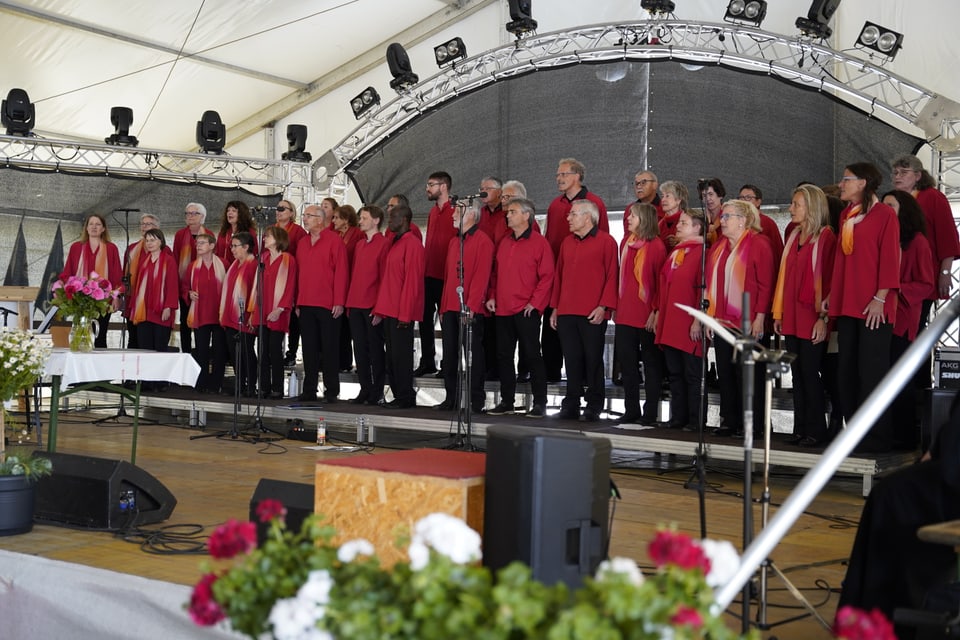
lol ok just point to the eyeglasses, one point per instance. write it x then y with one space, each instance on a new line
643 182
749 198
283 208
903 172
566 173
727 216
312 215
434 184
191 213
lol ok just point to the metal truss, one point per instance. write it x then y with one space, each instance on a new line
49 155
802 61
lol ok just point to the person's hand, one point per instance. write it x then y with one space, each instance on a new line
696 331
274 315
337 311
375 320
597 315
874 314
553 320
491 305
651 322
944 284
778 327
756 327
529 309
820 332
165 315
194 295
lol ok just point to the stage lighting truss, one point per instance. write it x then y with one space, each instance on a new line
449 52
365 102
746 12
881 40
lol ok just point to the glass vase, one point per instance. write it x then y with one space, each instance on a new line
82 334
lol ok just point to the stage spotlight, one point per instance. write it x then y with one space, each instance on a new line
521 18
18 114
121 118
400 69
658 7
815 24
211 133
746 12
880 39
367 100
297 143
450 52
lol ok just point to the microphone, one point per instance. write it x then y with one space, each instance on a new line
454 199
128 210
260 208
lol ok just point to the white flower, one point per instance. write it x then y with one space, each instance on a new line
419 555
724 561
293 619
448 536
626 566
348 551
316 589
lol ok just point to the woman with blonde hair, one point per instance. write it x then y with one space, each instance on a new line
802 284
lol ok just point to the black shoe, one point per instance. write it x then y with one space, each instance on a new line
424 369
330 399
307 397
360 399
478 409
537 411
446 405
723 432
347 370
523 377
648 422
677 424
373 402
568 413
399 404
796 438
290 361
275 395
589 415
809 442
630 418
502 409
492 376
438 374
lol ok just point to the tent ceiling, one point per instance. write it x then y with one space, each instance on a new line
237 58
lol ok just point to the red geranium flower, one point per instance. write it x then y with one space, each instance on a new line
687 616
269 509
669 547
852 623
232 538
204 610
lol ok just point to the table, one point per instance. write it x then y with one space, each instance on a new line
95 369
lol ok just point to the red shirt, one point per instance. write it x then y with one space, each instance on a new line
633 311
223 244
279 284
586 274
401 288
758 278
941 231
369 259
157 288
185 248
494 223
238 294
322 274
873 265
439 231
557 226
80 252
477 264
523 273
294 234
414 229
680 280
668 227
916 281
350 238
203 279
800 310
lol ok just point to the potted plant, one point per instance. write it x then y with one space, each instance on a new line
22 357
83 300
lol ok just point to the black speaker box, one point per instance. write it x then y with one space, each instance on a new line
100 494
295 496
935 413
546 502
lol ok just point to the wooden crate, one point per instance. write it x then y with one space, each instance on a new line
380 497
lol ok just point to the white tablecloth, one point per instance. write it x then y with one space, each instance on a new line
121 364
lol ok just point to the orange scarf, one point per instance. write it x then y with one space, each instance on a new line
735 273
93 261
644 287
219 272
854 217
231 299
817 260
187 254
133 260
147 285
280 286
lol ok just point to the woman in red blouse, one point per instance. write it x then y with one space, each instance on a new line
279 270
741 261
236 218
642 254
673 201
236 303
94 253
155 293
802 285
202 285
866 272
677 332
345 223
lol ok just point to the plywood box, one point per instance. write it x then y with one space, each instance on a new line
380 497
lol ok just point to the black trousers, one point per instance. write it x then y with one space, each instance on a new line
864 360
583 350
525 331
210 352
631 346
320 333
903 411
552 349
270 352
185 330
103 323
346 344
490 345
683 371
131 330
809 401
399 343
451 331
432 293
368 352
729 378
152 336
244 358
293 337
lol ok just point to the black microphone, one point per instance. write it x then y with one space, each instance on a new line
259 208
454 199
128 210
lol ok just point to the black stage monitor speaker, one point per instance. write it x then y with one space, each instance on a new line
100 494
546 502
296 497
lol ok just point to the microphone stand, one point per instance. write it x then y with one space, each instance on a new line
260 217
465 364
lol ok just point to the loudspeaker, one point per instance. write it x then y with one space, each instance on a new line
546 502
100 494
935 413
296 497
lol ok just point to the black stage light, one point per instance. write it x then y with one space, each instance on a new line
18 114
211 133
658 7
297 143
367 100
121 118
521 18
746 12
450 52
400 69
880 39
815 24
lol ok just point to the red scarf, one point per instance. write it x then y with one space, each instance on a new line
151 288
219 272
735 273
93 261
280 286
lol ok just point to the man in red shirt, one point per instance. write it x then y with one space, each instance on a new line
395 200
584 294
400 304
322 279
520 290
470 257
570 175
439 232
